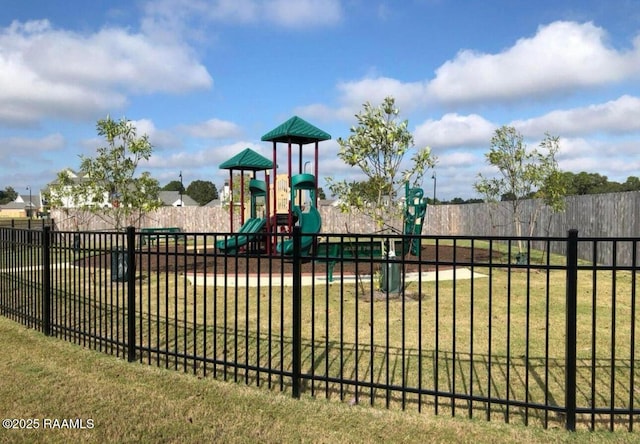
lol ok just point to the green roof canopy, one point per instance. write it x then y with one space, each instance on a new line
296 130
247 160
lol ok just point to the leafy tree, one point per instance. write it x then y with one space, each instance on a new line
523 174
202 191
365 193
631 184
461 201
585 183
108 186
8 195
594 183
174 185
377 146
321 194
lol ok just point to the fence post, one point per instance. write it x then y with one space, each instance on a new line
131 294
297 313
46 280
571 327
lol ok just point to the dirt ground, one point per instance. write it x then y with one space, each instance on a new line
176 258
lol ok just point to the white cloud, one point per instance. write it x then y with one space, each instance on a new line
324 113
454 130
458 159
303 13
210 157
561 56
28 149
408 95
175 14
145 126
28 146
50 72
353 94
159 138
614 117
213 129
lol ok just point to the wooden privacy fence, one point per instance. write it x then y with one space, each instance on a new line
598 215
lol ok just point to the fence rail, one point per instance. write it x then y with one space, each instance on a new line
460 328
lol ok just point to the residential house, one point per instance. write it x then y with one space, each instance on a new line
69 201
175 199
25 205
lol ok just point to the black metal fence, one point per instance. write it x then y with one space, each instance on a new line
475 326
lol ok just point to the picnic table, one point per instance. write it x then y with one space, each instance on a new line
349 250
153 234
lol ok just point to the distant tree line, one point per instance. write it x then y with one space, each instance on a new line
202 191
594 183
576 184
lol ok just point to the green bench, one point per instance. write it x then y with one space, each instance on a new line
152 234
333 252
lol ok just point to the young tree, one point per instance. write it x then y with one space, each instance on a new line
108 186
377 146
523 175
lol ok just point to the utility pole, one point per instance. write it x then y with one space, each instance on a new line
434 186
30 210
181 188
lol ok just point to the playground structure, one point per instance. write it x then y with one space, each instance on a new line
247 160
296 131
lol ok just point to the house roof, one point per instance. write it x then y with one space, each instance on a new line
296 130
73 175
14 206
170 197
25 200
247 160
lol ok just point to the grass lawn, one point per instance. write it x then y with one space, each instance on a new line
463 336
49 378
469 337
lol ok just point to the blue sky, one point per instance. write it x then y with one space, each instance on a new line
206 79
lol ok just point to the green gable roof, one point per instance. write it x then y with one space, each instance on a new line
247 160
296 130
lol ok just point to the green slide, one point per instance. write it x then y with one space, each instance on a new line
246 233
310 223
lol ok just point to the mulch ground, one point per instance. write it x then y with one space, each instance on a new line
176 258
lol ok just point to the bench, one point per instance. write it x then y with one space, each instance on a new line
333 252
153 234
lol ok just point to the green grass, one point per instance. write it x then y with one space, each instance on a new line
433 340
128 402
429 342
